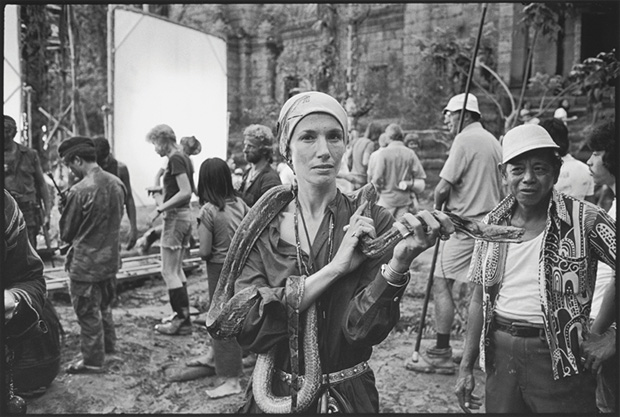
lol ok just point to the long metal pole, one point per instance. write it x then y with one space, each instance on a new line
109 118
73 71
429 285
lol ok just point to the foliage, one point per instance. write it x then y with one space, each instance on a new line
442 70
35 32
597 78
599 72
544 17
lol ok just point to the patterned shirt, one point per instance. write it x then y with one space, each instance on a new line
576 236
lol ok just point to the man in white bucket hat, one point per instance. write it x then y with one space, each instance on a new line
470 185
530 306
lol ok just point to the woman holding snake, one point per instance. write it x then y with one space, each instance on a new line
306 260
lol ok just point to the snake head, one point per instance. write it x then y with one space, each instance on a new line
370 194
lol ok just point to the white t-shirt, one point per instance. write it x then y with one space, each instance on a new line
519 295
560 113
604 275
575 178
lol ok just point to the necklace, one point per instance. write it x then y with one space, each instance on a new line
301 265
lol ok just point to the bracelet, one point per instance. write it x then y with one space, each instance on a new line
393 277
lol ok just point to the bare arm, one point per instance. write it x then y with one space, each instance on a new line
158 175
607 312
130 205
418 185
442 192
205 238
465 382
184 194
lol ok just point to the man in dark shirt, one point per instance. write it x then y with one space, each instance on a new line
115 167
23 178
90 222
258 150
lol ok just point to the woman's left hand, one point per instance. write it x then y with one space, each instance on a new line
421 231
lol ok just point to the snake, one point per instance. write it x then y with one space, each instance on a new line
228 310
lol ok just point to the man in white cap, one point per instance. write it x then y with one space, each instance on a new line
469 185
530 306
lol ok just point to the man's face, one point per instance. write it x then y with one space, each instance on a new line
600 174
530 177
251 150
451 120
9 134
74 164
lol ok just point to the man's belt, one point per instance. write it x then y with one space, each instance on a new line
332 378
518 328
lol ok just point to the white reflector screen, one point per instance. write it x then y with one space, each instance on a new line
12 69
165 73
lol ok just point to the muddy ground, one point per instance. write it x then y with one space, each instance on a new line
136 379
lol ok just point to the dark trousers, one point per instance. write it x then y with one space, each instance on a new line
92 305
607 385
522 380
227 352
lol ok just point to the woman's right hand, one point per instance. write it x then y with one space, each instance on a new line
349 257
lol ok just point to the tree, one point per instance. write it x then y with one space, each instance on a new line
34 36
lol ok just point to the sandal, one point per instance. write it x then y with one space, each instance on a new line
80 368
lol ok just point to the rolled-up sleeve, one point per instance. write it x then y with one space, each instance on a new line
373 313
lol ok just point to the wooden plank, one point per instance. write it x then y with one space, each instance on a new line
133 268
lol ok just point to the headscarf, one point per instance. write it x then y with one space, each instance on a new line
77 145
301 105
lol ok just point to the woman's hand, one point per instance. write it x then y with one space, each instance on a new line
348 257
153 216
421 231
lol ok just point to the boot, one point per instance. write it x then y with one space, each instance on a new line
180 324
434 360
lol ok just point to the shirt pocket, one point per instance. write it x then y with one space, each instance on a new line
569 275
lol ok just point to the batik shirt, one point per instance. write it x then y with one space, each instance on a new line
577 235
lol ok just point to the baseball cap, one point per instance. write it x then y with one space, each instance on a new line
456 103
525 138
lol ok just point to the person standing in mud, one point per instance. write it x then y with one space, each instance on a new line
23 178
470 185
90 221
529 309
219 218
178 183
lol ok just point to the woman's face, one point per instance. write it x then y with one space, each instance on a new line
530 178
316 149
